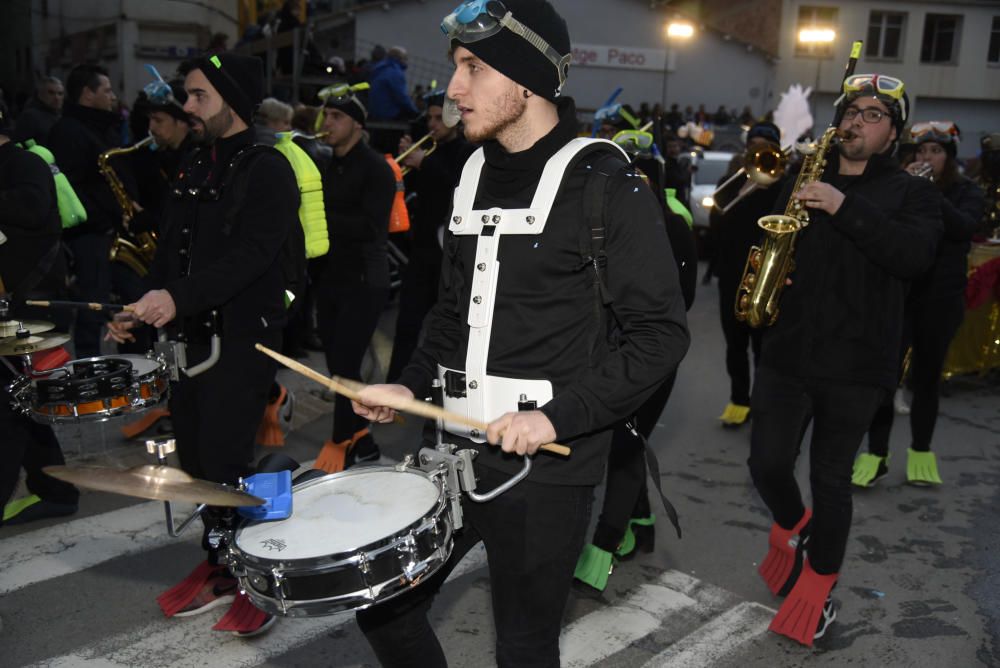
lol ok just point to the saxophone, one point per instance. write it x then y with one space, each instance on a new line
135 251
769 264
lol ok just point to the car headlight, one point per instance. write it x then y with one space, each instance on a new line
707 202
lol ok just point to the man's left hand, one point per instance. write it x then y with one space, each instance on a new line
155 308
522 432
823 196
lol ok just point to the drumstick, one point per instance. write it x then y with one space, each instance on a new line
352 388
91 306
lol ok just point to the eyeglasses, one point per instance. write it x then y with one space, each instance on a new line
944 132
868 114
476 20
874 84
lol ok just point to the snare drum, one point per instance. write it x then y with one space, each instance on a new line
355 538
96 389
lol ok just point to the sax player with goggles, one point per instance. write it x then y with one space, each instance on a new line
831 357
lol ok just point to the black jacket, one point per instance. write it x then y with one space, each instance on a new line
546 325
435 181
358 190
736 230
841 319
29 218
76 141
204 263
962 213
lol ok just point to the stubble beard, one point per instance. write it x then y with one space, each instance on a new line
214 127
505 113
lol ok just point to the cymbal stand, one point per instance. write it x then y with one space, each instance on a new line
161 448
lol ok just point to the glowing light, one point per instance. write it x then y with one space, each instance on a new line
680 29
707 202
817 35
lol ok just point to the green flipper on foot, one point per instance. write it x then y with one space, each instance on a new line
594 566
869 469
629 541
16 507
921 468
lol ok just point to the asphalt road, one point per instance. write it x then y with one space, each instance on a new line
920 587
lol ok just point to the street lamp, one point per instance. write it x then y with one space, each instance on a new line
814 38
674 30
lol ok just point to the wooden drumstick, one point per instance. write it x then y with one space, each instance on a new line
352 388
90 306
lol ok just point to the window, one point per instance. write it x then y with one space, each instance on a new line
940 43
993 54
885 35
815 18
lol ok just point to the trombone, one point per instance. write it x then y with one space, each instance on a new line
402 156
761 167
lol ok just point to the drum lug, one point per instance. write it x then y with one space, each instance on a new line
279 580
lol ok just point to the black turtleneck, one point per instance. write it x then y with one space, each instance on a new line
546 319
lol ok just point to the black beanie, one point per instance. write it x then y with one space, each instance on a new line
239 80
765 130
175 108
352 104
515 58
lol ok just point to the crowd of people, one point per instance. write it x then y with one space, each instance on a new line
270 223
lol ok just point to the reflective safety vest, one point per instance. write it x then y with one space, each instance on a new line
71 210
312 212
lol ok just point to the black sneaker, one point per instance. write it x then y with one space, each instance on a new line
365 451
826 619
798 542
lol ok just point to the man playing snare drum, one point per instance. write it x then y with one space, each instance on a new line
527 295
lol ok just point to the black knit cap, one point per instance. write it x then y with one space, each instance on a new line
239 80
765 130
353 104
518 60
175 108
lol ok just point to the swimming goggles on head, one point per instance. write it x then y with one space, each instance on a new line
476 20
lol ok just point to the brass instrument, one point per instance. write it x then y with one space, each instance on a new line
402 156
769 264
135 251
762 167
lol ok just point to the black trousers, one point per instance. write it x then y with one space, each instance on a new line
416 297
738 336
32 446
841 413
216 414
533 534
93 284
347 315
932 322
626 494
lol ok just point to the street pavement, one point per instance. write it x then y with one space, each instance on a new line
920 586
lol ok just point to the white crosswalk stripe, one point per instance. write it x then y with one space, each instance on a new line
694 624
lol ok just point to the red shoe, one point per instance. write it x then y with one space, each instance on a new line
218 591
244 620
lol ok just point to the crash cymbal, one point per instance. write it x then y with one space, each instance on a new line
31 344
9 327
159 483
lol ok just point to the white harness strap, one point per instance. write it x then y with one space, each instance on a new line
488 397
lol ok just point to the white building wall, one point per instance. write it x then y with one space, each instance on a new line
966 91
161 23
706 70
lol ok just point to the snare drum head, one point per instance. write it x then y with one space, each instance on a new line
342 513
141 365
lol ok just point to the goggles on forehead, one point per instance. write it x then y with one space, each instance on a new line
634 141
158 91
341 93
874 84
889 90
475 20
944 132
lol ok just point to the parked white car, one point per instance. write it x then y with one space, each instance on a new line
711 166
